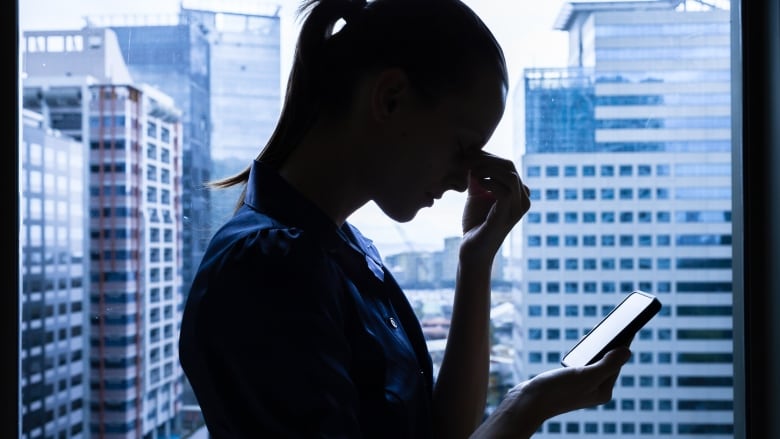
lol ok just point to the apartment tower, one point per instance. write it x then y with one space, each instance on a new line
130 137
53 268
628 154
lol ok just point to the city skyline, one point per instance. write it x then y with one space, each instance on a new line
129 281
616 105
517 28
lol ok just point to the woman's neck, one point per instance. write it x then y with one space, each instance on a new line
324 169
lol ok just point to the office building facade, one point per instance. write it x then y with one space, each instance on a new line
54 323
245 86
131 141
221 63
628 154
173 57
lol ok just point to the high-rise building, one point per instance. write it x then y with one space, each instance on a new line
628 155
130 137
245 83
172 55
54 279
221 63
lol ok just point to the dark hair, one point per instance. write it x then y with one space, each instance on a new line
441 45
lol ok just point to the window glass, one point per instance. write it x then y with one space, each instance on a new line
620 121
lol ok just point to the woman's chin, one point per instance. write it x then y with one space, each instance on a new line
401 214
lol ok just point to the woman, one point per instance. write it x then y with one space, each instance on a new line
293 327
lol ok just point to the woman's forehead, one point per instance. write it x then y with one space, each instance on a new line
480 107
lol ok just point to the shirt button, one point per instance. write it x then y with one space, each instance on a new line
392 322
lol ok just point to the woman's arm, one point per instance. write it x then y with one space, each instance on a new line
527 405
496 200
460 392
263 346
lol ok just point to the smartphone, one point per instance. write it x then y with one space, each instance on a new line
616 329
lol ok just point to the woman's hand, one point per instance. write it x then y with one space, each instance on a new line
496 201
527 405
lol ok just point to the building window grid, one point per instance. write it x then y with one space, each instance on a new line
643 191
643 428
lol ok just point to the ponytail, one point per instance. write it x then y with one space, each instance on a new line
301 104
440 44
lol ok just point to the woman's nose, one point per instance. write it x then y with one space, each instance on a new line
459 180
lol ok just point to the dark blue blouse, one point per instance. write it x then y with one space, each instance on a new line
294 328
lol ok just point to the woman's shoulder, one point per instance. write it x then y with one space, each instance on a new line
253 257
255 235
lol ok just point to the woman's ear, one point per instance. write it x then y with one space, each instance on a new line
390 88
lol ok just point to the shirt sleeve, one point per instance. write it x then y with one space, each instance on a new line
263 342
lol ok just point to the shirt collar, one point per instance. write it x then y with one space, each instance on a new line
269 193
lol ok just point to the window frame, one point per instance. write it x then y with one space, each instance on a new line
756 207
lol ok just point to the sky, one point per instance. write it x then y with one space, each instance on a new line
524 28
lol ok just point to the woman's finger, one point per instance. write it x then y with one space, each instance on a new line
609 364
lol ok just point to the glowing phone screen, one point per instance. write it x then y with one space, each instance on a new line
607 329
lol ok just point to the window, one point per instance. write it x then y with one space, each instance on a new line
589 194
151 151
647 214
151 173
588 217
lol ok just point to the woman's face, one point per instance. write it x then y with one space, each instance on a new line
428 149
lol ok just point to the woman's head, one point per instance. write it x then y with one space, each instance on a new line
441 46
439 50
